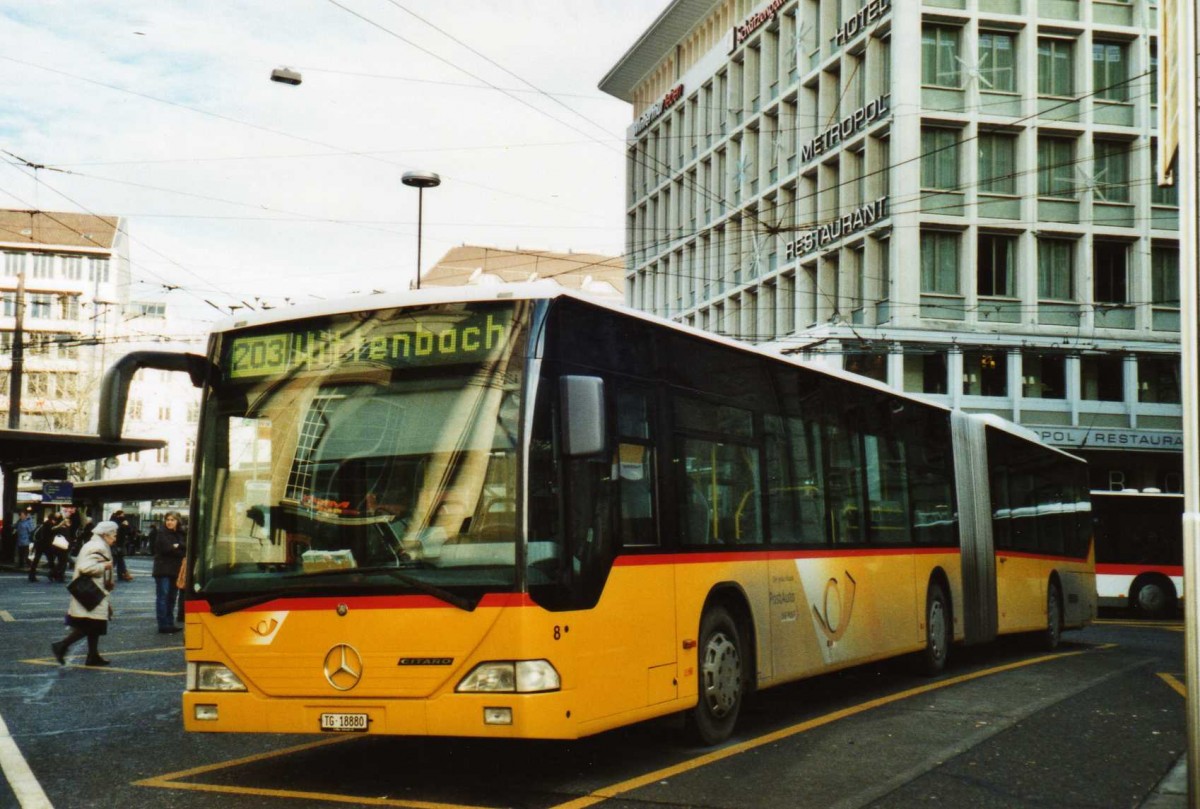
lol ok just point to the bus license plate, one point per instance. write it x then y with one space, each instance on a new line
344 722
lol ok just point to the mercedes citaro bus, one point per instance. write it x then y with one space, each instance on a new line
517 512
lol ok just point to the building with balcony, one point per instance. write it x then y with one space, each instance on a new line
74 270
955 197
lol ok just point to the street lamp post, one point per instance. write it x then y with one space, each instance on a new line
420 180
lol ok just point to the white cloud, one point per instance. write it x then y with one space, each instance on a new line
275 205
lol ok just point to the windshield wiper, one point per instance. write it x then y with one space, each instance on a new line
233 603
238 604
453 599
440 593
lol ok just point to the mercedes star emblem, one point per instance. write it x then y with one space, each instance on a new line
343 667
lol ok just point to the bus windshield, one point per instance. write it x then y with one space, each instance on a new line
368 452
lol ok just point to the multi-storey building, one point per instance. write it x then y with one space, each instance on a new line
162 404
955 197
75 269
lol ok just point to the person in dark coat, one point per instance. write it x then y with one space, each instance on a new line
169 548
124 543
95 561
42 539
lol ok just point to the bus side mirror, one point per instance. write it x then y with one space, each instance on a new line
583 415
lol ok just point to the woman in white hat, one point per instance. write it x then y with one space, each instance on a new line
95 561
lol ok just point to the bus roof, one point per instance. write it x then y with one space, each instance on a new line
549 289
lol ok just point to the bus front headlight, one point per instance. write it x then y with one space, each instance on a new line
212 677
511 676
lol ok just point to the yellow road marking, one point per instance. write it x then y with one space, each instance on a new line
50 661
6 617
606 793
169 781
113 669
1173 681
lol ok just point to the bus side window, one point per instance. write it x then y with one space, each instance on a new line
634 468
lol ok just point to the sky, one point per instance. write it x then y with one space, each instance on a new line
242 191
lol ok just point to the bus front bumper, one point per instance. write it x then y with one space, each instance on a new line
502 715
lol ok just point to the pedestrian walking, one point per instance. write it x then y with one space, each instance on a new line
125 540
42 537
25 528
95 562
169 548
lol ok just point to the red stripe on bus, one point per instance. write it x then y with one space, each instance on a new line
366 603
1043 557
1133 570
763 556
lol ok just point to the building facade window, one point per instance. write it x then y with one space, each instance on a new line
1158 380
997 61
1110 71
163 454
1044 376
985 373
1110 166
995 276
98 270
1160 194
1056 269
1110 272
1102 378
43 265
41 305
997 163
1164 275
1056 167
68 307
72 268
939 158
939 262
14 263
1056 67
941 65
925 373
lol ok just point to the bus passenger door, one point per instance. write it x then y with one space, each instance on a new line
628 649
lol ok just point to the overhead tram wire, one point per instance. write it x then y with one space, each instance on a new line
282 133
86 236
463 70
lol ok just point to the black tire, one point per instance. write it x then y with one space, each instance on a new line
1052 635
1152 598
722 677
937 630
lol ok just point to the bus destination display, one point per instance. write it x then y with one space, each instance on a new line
399 341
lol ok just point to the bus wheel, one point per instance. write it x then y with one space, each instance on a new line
1152 598
721 677
937 630
1054 618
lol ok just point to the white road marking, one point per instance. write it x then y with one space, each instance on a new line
21 779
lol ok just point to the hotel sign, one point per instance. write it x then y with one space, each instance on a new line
847 128
869 14
860 218
662 105
755 21
1110 439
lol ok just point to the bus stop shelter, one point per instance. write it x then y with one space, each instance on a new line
25 449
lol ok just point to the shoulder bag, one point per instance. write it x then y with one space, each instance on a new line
85 590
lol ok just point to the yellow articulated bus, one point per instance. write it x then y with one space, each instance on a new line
521 513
